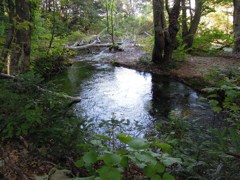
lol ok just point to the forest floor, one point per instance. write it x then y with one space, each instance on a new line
194 67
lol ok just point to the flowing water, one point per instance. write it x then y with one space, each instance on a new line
122 93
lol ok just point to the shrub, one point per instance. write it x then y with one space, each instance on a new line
211 42
41 118
49 65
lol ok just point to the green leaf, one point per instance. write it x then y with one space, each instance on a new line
124 138
90 157
146 158
107 173
79 163
96 142
168 161
168 176
214 105
124 161
138 143
111 159
164 146
150 170
156 177
160 167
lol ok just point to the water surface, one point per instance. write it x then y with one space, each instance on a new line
108 91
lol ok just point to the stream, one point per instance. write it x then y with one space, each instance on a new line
121 93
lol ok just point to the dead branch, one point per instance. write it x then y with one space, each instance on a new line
93 44
236 155
149 35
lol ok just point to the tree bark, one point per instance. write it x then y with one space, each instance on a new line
188 34
165 40
159 26
9 35
20 56
53 28
171 35
236 26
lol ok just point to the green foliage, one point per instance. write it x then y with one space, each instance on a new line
211 42
76 36
49 65
147 43
117 162
203 151
224 95
180 54
39 117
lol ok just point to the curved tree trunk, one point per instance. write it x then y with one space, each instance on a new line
236 26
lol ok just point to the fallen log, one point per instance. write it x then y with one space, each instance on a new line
71 98
87 46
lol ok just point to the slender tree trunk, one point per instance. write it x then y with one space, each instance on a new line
159 26
171 35
184 19
110 19
236 26
188 34
53 28
112 22
20 56
9 35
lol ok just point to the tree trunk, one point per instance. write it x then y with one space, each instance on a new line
184 19
9 35
165 40
53 28
171 35
20 56
236 26
188 34
159 26
1 10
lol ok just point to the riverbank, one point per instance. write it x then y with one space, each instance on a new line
191 71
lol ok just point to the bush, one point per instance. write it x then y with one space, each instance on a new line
49 65
224 95
76 36
44 120
211 42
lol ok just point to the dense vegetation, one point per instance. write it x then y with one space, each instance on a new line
37 38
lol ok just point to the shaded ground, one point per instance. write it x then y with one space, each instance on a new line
194 67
